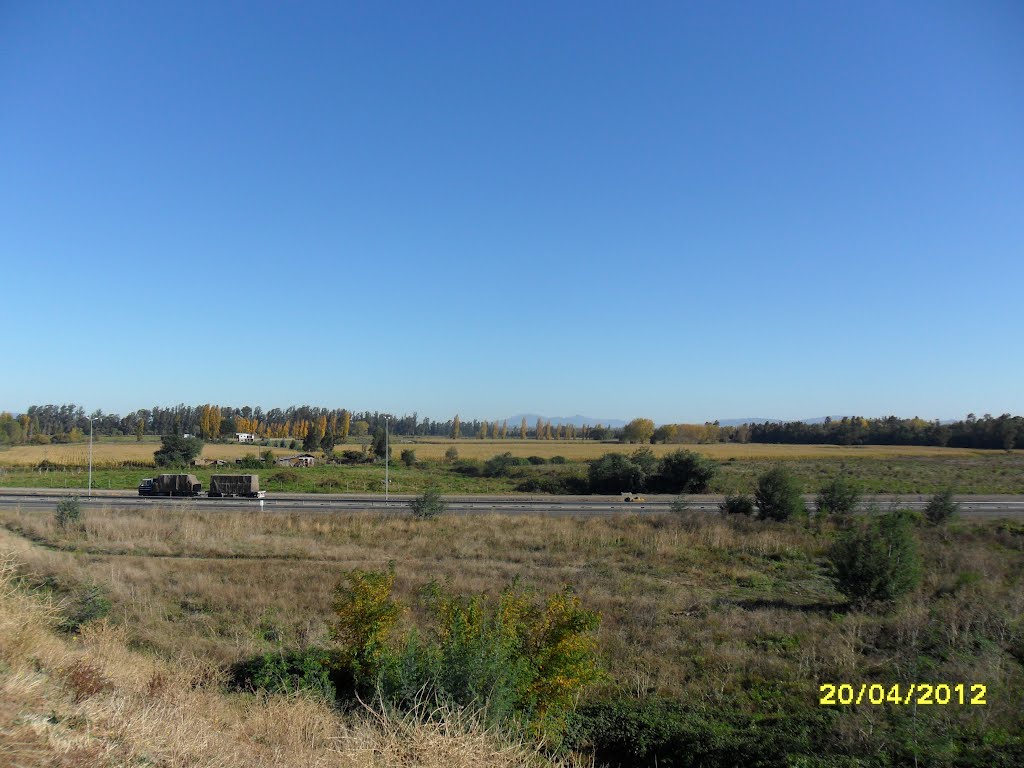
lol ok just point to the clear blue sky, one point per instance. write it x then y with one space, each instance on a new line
684 211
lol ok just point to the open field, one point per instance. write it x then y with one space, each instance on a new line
732 616
114 452
967 473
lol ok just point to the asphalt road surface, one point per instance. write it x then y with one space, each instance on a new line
994 506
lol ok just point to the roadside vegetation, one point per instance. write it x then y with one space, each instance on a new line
711 634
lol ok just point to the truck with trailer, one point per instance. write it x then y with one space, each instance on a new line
171 485
247 486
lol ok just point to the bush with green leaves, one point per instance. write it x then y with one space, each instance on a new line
502 465
452 454
428 505
314 670
616 473
522 659
877 560
69 510
177 451
683 472
408 457
778 495
737 504
838 497
941 507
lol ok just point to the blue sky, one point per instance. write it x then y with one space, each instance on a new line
684 211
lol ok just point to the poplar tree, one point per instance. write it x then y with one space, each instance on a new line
540 429
522 429
504 429
140 430
456 427
346 424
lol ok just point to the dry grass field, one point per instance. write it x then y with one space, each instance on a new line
578 450
735 615
90 701
106 454
115 453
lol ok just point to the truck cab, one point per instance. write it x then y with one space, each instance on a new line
146 487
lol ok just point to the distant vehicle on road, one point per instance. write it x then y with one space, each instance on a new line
170 485
632 497
246 486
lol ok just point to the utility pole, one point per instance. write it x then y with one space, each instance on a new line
91 419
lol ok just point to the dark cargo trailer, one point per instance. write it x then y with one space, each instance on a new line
170 485
236 485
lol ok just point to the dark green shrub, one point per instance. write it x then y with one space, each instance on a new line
69 510
428 505
408 457
683 472
82 604
558 460
536 460
838 497
177 451
313 670
737 504
778 495
502 465
877 561
941 507
452 454
615 473
468 467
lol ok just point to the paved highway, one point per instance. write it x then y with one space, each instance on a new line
583 506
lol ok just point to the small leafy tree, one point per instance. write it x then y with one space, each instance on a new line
737 504
69 510
877 561
408 457
364 617
941 507
615 473
838 497
452 454
177 451
381 445
683 472
428 505
778 495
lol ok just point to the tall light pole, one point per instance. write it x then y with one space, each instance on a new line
387 458
91 420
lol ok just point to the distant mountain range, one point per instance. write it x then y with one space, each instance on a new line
576 421
579 421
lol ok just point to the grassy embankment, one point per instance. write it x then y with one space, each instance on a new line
736 619
90 700
878 469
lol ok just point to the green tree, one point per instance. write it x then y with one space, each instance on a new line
456 427
313 438
346 424
177 451
638 431
328 443
381 445
683 472
941 507
877 561
522 429
452 454
428 505
737 504
615 473
408 457
140 430
778 495
69 510
838 497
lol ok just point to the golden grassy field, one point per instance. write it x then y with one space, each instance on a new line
108 454
434 448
